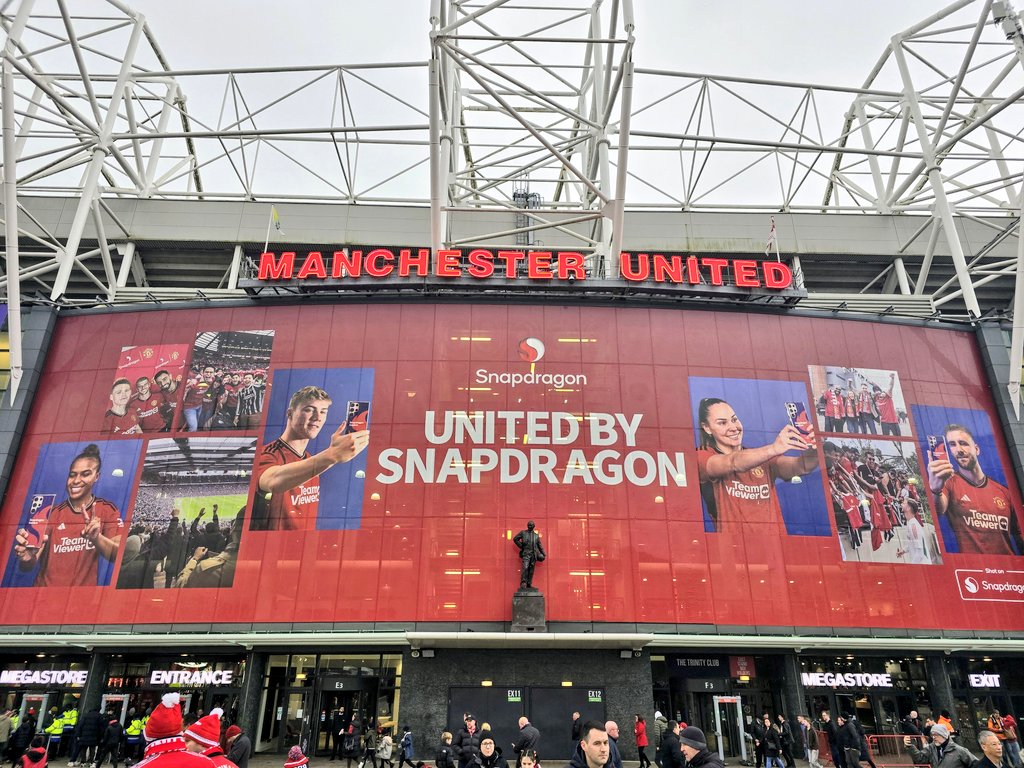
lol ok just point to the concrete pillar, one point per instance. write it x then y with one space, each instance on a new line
252 689
993 342
939 684
793 697
38 324
96 683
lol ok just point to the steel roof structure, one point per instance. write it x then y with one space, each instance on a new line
531 122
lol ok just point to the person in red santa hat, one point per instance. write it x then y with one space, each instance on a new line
295 758
165 746
203 736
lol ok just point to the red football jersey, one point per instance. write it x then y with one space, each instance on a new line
743 497
886 408
294 509
980 515
149 413
121 424
71 559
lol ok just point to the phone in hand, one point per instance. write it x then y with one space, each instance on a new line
357 415
939 448
797 413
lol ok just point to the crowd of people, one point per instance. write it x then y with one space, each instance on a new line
164 551
163 738
223 397
871 496
864 410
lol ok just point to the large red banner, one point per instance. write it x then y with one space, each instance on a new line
373 463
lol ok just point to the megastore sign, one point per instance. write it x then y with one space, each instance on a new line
357 462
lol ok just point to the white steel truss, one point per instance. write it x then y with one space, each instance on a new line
528 112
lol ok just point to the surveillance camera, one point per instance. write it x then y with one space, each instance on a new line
637 654
415 654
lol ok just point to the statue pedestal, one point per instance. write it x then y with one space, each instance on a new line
528 611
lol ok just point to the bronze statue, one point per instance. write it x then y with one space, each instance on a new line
531 552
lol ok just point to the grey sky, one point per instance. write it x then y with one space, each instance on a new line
828 42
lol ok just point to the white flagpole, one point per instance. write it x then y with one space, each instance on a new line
270 220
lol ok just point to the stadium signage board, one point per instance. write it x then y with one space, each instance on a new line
191 677
43 677
846 680
359 266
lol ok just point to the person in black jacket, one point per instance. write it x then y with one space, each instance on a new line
757 731
592 750
695 750
529 737
849 742
911 724
445 753
787 740
832 731
577 724
467 743
669 753
88 732
772 744
110 744
490 753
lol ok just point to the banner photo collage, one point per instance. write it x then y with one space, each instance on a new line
681 467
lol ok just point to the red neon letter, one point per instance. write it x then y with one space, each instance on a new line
344 264
539 265
313 266
447 264
406 261
511 259
692 273
776 275
746 273
643 266
667 270
379 262
717 267
280 269
570 264
481 263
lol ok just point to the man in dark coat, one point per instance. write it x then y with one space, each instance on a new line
592 749
832 730
239 746
88 732
787 740
577 726
669 753
695 750
529 737
467 743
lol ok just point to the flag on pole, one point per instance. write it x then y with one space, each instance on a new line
277 220
771 239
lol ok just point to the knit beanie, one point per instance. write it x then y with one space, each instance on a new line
692 736
940 730
166 718
295 758
232 731
206 730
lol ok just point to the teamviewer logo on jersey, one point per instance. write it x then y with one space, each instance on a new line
531 350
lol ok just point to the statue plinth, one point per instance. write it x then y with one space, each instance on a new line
528 613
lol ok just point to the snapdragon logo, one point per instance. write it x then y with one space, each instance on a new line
531 350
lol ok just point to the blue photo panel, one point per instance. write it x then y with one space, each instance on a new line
72 483
339 503
934 420
761 409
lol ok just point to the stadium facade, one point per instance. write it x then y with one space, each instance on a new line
596 383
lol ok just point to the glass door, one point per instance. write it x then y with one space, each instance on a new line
116 703
295 708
